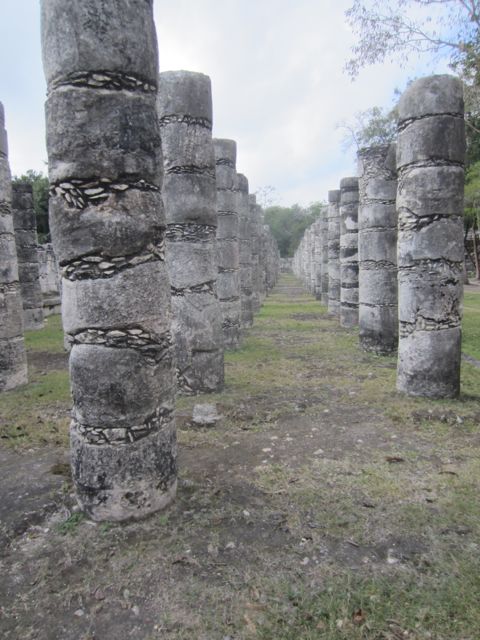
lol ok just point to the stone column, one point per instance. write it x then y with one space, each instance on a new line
324 254
377 250
333 216
228 248
49 279
255 221
13 359
108 230
349 252
245 252
189 195
25 225
317 259
430 165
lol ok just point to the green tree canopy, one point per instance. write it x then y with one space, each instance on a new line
288 224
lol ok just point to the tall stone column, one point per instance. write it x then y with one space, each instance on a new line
430 165
317 259
349 252
333 216
324 254
228 248
255 221
25 225
245 252
189 195
13 359
108 230
377 250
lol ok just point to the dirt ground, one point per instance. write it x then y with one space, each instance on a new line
316 472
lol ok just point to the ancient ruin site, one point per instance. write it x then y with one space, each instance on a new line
222 417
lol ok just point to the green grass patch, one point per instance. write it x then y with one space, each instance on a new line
440 605
50 338
471 325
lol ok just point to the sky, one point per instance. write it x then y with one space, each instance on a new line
278 85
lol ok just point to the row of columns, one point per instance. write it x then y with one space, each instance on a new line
163 253
394 239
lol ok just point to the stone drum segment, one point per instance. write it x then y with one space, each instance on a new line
228 250
189 195
333 216
13 360
349 252
25 226
430 166
377 250
108 230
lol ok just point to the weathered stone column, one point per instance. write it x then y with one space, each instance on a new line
108 230
333 217
430 165
317 259
377 250
25 225
228 247
189 195
255 221
13 360
49 275
349 252
245 252
324 255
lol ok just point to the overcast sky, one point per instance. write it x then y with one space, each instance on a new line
278 85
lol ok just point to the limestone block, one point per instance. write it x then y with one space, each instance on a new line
110 131
126 223
131 298
429 363
72 32
116 388
123 482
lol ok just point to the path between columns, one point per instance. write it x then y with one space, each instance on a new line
318 475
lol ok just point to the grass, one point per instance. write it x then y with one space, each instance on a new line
437 605
50 338
471 325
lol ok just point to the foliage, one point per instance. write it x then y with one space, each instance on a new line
374 126
289 223
397 28
39 184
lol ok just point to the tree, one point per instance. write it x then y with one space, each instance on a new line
472 213
374 126
389 29
40 187
288 224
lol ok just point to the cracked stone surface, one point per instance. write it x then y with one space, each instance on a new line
430 157
108 231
